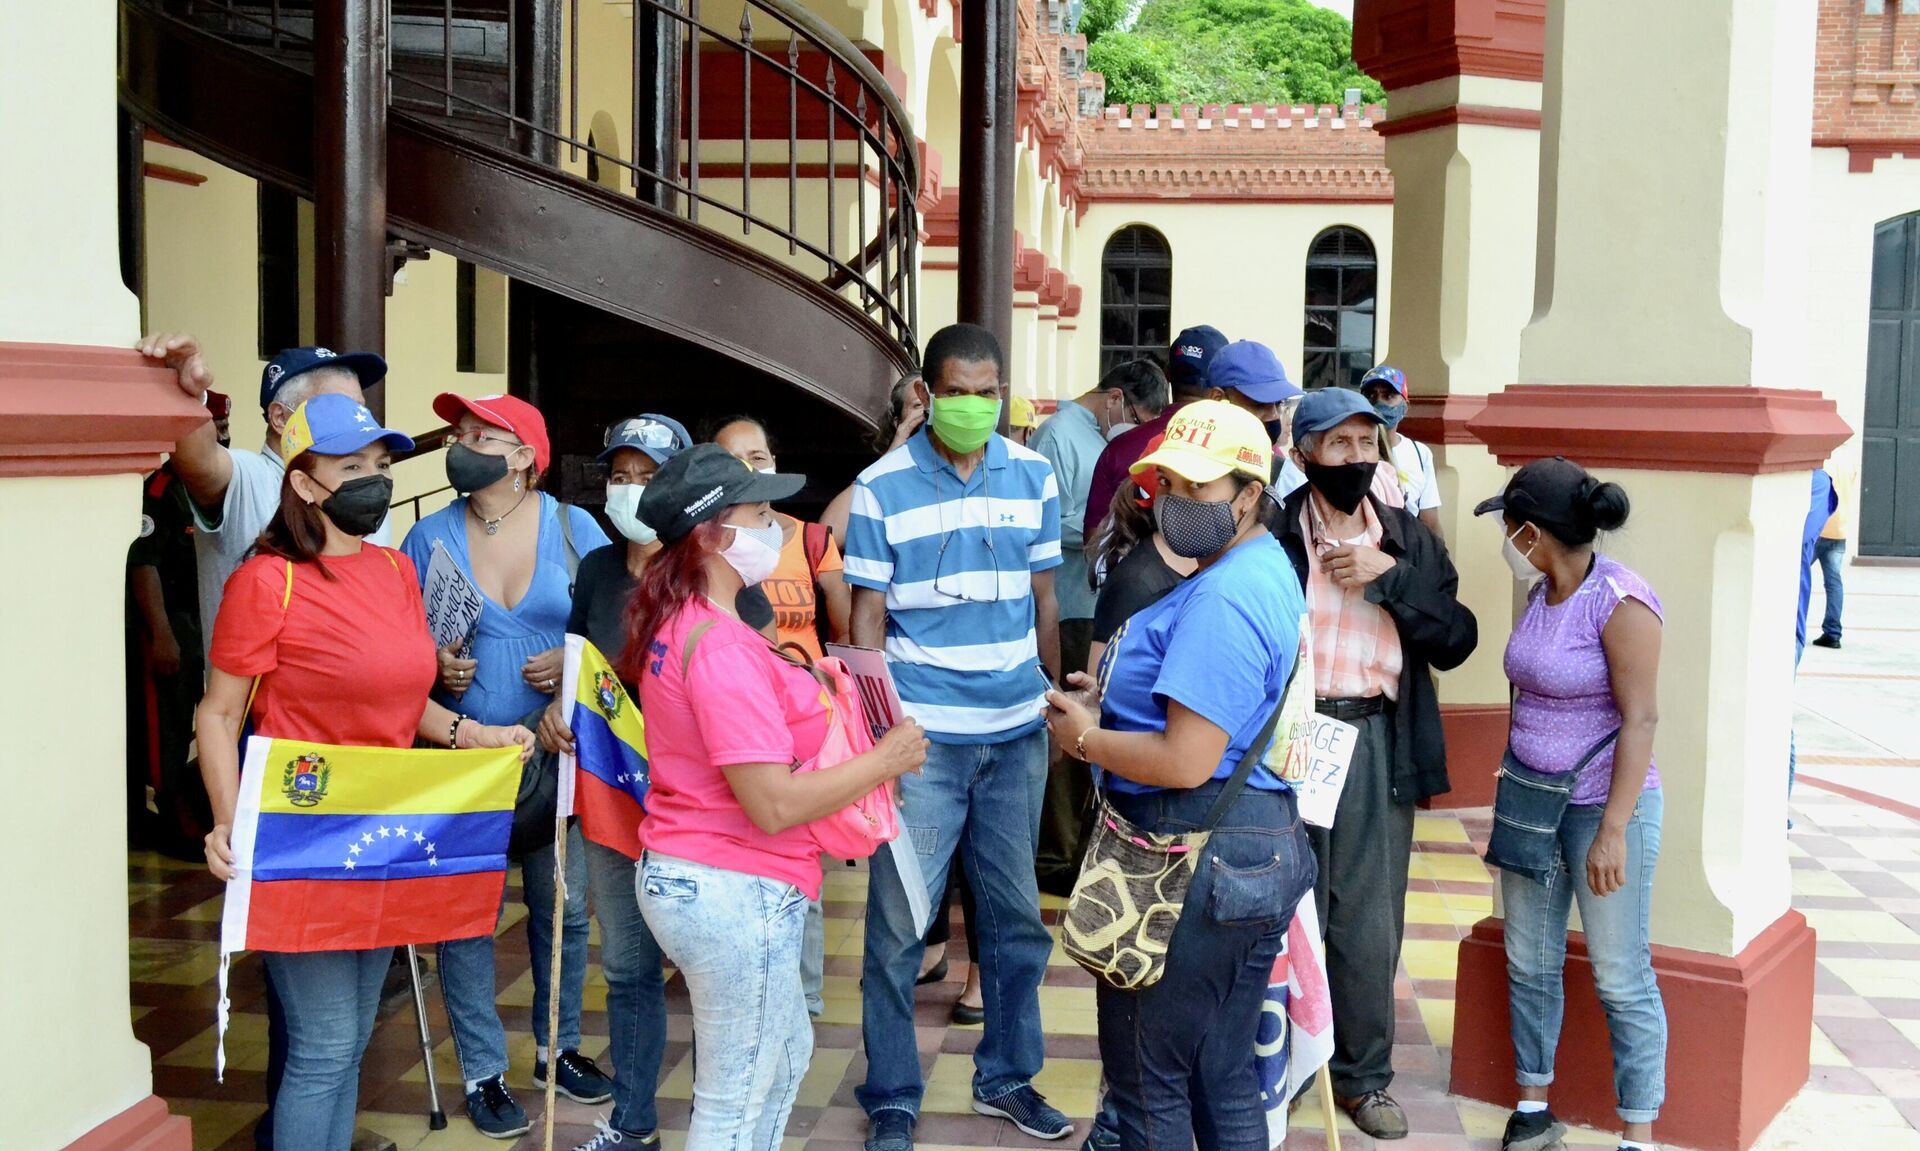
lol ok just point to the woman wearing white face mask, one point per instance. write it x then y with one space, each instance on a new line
1578 813
729 864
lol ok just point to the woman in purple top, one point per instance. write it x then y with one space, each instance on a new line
1584 660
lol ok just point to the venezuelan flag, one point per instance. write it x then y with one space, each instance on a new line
604 781
347 848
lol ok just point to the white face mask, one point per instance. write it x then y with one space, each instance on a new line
1117 430
1517 561
766 471
623 508
754 552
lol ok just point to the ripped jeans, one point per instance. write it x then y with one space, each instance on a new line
736 940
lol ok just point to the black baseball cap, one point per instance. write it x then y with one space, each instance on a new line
700 483
1191 354
1547 490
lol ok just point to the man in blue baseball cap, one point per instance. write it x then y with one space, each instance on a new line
1189 360
1383 599
1248 375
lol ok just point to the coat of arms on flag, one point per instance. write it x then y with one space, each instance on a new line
604 780
352 848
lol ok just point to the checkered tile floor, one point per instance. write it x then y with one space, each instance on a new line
1856 876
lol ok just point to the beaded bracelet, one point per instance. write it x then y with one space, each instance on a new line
453 732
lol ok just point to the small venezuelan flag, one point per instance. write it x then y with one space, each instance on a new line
608 791
348 848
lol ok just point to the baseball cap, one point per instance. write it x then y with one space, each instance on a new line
1147 479
1209 438
1192 351
660 437
700 483
1391 375
1250 368
330 424
1547 490
510 412
1020 414
298 361
1329 408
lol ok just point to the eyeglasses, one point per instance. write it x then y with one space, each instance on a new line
640 433
958 591
477 436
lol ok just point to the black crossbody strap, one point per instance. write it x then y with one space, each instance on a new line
1255 751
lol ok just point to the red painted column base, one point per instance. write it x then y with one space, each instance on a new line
1476 740
145 1126
1737 1035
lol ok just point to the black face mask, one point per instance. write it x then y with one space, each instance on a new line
357 507
1275 429
1342 485
469 471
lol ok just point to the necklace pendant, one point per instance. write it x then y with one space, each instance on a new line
493 527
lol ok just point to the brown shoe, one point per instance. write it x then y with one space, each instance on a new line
1376 1114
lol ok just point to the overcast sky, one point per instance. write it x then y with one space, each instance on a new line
1344 7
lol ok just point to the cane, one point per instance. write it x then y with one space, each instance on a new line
436 1118
1329 1108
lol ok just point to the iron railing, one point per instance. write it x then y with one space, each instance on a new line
824 84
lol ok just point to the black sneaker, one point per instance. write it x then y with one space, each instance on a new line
611 1136
1828 641
493 1111
1533 1131
1028 1110
580 1079
890 1129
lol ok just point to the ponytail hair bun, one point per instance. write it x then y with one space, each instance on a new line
1605 504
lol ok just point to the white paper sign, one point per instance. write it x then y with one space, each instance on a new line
1329 750
875 683
453 603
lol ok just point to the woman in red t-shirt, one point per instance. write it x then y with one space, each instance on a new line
332 631
729 863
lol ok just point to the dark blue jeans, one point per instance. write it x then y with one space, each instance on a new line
1179 1055
1832 556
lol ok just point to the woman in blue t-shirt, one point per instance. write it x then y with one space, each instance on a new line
1185 689
510 540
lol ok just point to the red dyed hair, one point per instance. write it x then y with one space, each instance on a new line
674 576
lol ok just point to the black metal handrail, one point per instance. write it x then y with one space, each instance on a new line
874 267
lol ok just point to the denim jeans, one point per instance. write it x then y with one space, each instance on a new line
328 999
1832 556
1179 1055
735 939
1618 945
636 990
813 957
983 802
467 971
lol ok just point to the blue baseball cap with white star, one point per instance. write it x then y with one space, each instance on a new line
299 361
330 424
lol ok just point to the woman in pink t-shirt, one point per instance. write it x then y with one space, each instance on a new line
729 863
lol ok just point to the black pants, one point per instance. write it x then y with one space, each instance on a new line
1179 1055
1064 811
1362 896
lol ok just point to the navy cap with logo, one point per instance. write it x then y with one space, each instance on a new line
1550 490
1329 408
299 361
1191 354
660 437
700 483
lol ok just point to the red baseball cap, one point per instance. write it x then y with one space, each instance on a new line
510 412
1148 479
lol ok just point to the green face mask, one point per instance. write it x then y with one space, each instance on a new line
963 423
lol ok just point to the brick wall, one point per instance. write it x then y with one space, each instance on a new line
1867 72
1262 152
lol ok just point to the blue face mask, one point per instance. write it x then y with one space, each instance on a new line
1392 414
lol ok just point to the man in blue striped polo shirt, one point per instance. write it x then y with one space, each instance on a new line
950 550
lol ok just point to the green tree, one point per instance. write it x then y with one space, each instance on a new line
1099 17
1229 52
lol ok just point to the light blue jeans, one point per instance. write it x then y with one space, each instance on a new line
980 802
636 991
1618 945
467 973
735 939
329 999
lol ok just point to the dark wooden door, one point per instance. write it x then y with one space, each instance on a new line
1890 471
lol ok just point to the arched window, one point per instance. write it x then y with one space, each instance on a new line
1136 296
1341 279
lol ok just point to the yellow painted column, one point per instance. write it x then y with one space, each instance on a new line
63 954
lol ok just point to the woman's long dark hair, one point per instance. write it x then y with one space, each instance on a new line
298 529
1127 526
673 577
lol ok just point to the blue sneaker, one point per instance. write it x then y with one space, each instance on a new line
1104 1135
1028 1110
581 1080
494 1112
890 1129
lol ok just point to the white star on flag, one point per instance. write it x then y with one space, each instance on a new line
349 865
400 831
433 861
429 849
418 838
384 832
366 837
353 849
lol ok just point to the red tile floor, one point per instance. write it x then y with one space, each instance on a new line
1856 876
